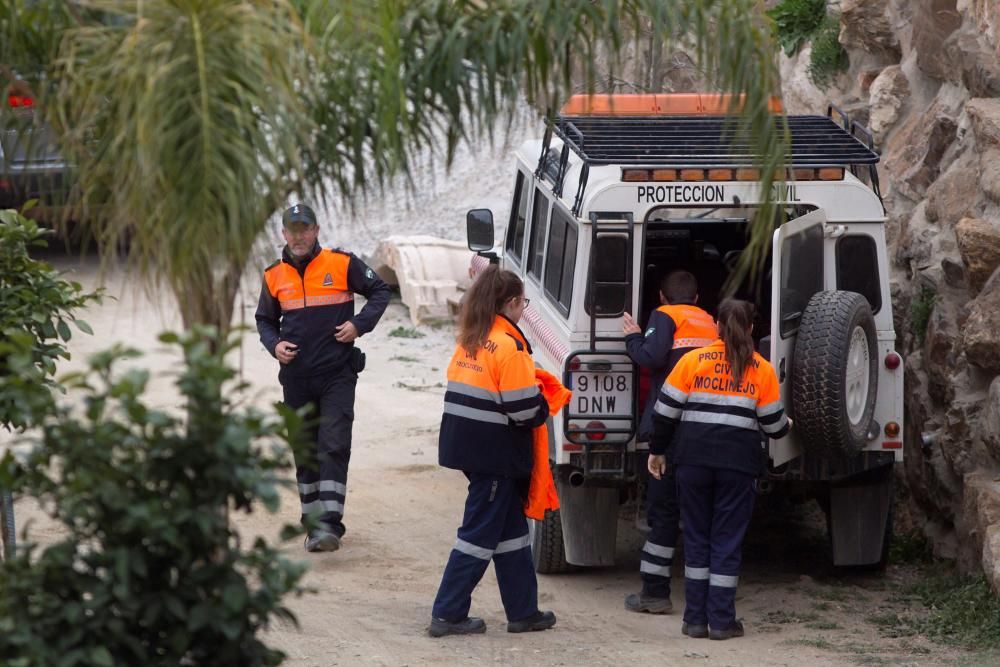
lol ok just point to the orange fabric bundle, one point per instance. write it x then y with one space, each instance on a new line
542 490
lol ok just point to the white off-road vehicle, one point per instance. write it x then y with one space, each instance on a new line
623 189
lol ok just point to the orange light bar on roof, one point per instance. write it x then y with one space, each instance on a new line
670 104
635 174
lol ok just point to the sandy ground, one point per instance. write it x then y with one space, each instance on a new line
371 600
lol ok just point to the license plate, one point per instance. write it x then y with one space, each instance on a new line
602 394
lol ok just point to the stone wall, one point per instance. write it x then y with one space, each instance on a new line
926 76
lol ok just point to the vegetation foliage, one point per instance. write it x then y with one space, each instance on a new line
796 21
36 309
192 121
827 58
149 570
800 21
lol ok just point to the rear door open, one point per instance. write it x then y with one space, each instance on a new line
797 274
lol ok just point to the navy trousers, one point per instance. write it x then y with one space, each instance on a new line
716 505
663 515
321 470
494 528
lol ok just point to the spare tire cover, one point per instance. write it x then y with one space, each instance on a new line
835 373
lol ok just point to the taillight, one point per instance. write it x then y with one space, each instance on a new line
892 430
577 434
892 361
20 101
895 444
575 364
597 430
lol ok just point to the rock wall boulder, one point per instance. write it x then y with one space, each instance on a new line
928 72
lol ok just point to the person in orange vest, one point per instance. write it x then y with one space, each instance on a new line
306 320
674 329
491 406
712 408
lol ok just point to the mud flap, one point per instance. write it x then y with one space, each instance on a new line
859 515
589 524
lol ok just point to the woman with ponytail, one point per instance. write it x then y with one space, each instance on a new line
491 407
712 407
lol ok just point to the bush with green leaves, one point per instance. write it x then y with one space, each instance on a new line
796 21
36 308
827 58
150 570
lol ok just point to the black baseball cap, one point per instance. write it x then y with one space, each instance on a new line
299 213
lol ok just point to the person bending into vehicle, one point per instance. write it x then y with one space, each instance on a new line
491 405
675 328
711 408
306 320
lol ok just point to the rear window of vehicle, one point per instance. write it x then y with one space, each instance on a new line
536 244
857 268
518 217
801 275
561 263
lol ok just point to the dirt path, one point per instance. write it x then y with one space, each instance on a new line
371 600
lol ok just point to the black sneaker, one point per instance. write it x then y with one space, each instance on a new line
470 626
542 620
321 540
734 630
694 631
646 603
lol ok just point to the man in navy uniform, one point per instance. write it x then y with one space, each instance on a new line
306 320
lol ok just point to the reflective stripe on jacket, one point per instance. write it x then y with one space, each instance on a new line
305 306
491 405
672 332
717 420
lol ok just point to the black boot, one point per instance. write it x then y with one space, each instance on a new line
470 626
640 602
542 620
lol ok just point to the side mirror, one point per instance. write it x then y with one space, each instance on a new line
479 229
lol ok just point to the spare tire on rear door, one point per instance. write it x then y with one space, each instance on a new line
835 373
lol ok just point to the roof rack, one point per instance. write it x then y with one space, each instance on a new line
601 137
703 141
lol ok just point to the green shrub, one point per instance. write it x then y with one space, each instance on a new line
964 610
150 570
796 21
36 307
920 312
828 58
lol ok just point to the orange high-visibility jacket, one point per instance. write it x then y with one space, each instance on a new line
305 305
718 420
542 488
671 332
491 405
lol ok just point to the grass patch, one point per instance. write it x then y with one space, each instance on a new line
892 625
828 58
796 21
812 642
920 312
963 611
822 606
822 625
406 332
831 594
404 358
783 617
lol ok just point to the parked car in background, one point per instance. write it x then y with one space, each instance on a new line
31 166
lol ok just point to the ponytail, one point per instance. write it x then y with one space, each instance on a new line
735 321
487 296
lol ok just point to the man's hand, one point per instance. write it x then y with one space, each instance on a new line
629 326
657 465
346 332
285 351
